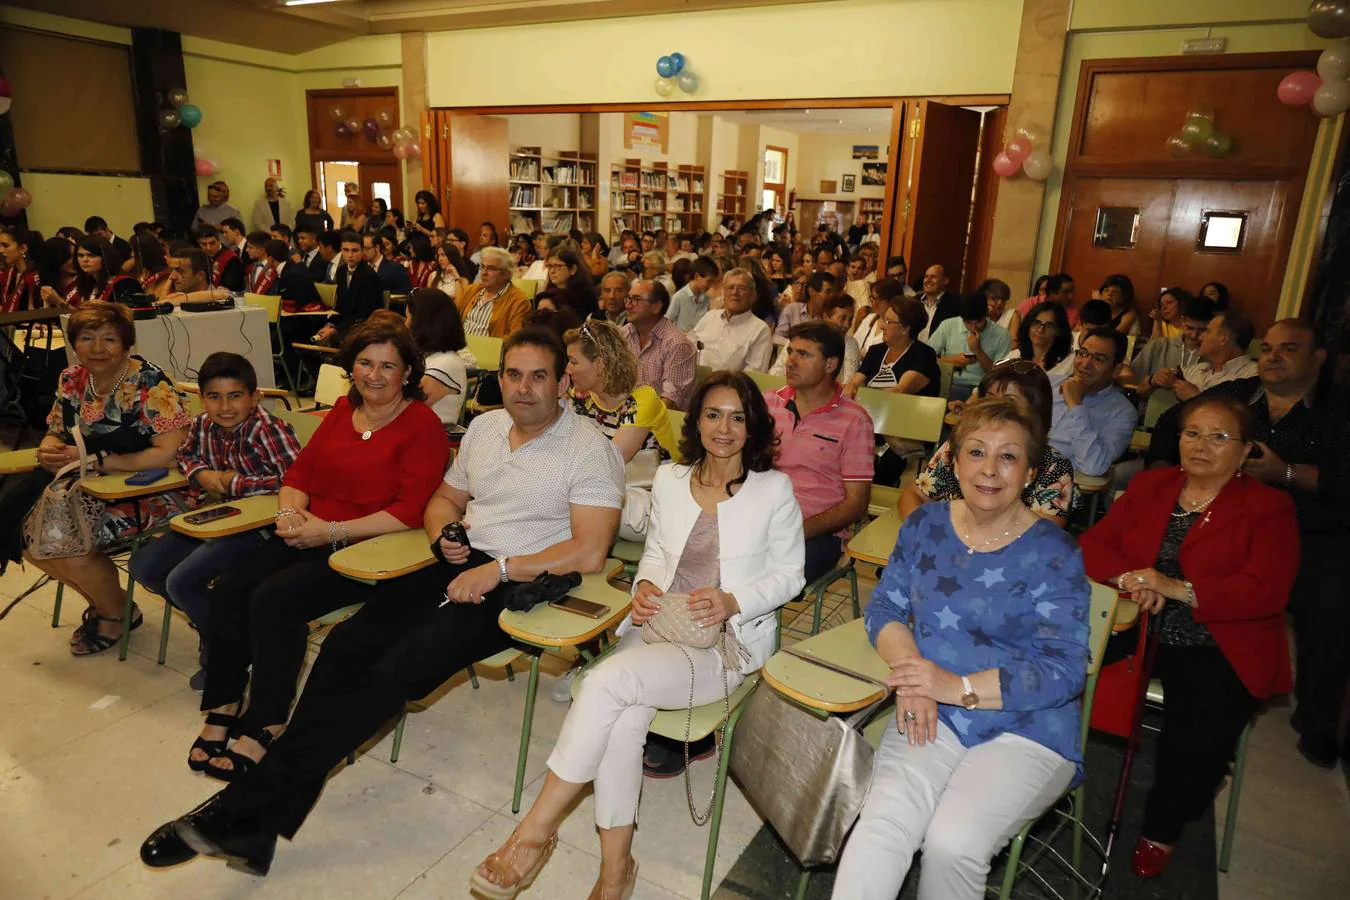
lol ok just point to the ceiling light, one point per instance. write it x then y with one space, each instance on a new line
307 2
808 112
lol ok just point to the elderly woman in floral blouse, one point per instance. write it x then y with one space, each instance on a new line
131 419
1051 493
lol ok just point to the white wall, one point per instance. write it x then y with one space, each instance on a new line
551 133
828 157
60 200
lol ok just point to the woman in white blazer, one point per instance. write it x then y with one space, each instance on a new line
725 529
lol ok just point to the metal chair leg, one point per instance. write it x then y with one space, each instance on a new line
56 607
510 673
719 798
1014 859
853 589
164 630
473 677
126 621
802 882
526 725
1234 795
398 735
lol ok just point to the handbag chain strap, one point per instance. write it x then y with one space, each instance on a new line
701 818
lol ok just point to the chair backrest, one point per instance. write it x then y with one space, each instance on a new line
1159 402
947 370
1100 618
192 395
701 374
904 415
487 350
766 381
327 294
528 286
1129 346
268 302
676 421
303 423
331 385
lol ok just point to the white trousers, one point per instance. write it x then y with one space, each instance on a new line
960 806
604 732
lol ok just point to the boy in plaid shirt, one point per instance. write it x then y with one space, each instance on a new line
233 449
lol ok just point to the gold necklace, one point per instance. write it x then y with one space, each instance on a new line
373 426
972 547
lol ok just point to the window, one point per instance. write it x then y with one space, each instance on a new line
1117 227
1222 231
775 178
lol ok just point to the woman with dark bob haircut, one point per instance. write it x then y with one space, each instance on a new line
1045 338
725 539
368 470
438 332
98 274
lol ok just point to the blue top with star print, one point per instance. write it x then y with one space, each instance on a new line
1022 609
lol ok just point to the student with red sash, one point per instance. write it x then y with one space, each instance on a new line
261 275
98 275
420 261
226 270
20 285
151 266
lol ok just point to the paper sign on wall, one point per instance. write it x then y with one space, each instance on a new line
274 168
646 132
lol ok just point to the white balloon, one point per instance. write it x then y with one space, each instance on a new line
688 81
1331 99
1334 63
1037 166
665 86
1032 132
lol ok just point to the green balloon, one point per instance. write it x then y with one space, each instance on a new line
6 182
1196 130
1219 143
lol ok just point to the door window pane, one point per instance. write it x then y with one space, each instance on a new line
774 164
1117 227
384 191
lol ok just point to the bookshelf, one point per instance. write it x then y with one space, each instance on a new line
732 200
553 194
870 210
656 196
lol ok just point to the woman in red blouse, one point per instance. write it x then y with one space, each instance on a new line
19 283
1213 555
368 470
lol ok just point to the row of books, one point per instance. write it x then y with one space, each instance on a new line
524 195
568 174
524 170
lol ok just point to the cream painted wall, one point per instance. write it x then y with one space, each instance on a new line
60 200
1098 15
789 140
965 49
551 133
1167 41
828 157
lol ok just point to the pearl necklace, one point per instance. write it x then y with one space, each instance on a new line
1196 506
90 388
971 547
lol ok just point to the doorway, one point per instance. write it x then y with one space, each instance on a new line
339 158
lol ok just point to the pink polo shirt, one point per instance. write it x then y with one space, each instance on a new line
823 449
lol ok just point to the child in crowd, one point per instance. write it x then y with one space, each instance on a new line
234 449
1094 314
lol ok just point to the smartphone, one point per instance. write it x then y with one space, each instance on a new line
581 607
149 476
210 515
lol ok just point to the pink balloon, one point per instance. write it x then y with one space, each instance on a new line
18 198
402 151
1297 88
205 168
1018 149
415 150
1005 165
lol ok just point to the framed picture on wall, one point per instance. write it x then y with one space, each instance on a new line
866 151
874 173
848 182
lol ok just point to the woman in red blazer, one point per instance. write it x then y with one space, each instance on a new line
1214 554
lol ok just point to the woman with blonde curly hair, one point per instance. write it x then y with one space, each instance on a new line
605 389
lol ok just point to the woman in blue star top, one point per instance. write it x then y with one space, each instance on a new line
985 735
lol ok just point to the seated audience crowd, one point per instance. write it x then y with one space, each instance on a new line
714 397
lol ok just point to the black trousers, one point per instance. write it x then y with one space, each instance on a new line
399 647
822 555
1320 606
260 615
1206 708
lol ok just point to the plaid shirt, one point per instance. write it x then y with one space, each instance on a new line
259 449
667 362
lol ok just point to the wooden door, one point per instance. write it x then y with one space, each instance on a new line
893 209
1089 262
385 180
944 142
986 196
476 158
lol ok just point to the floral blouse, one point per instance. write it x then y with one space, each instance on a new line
1052 493
144 405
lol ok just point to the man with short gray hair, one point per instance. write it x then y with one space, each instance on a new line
614 289
493 306
733 337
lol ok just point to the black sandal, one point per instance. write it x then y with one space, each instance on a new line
88 634
240 764
212 749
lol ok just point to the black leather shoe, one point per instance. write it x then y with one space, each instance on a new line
242 843
165 848
1319 749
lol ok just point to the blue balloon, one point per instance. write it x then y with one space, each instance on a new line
665 67
190 115
677 60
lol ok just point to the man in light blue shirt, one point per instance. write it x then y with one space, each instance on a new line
971 341
1092 421
691 301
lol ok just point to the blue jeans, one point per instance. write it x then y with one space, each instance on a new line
179 568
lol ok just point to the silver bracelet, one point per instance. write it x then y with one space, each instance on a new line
287 511
332 535
1288 475
346 535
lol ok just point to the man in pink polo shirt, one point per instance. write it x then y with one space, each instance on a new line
825 442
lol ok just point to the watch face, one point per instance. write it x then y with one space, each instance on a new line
970 701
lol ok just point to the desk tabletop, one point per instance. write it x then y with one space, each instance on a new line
384 557
115 487
820 688
18 461
877 539
254 513
547 627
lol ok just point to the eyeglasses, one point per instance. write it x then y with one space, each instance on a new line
1039 325
635 298
1100 359
1217 438
890 321
555 265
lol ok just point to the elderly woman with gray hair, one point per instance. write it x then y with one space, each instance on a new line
493 306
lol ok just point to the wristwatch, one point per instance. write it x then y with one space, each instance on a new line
969 699
501 568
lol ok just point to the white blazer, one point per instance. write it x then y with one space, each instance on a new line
761 548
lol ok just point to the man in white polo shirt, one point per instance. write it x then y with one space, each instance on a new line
539 490
733 337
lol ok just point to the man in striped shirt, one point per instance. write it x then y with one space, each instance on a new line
234 449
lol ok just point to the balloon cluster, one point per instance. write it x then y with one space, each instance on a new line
672 71
12 199
1022 154
376 130
4 96
1199 131
1327 90
180 111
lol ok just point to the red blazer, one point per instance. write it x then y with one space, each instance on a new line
1241 557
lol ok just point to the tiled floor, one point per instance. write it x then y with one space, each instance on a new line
91 760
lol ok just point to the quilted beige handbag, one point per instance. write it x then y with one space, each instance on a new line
64 521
